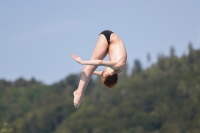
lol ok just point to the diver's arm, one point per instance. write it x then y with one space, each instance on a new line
94 62
99 73
98 63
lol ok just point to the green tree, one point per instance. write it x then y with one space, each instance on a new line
172 51
6 128
137 66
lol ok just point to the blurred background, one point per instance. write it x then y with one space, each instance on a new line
159 92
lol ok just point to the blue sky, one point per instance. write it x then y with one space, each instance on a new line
37 37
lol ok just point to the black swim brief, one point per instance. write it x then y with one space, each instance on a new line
107 34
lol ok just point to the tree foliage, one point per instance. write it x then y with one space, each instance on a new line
161 99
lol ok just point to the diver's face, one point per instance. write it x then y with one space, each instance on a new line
108 71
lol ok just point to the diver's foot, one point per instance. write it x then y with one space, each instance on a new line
77 99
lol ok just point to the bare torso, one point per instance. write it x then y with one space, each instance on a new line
117 52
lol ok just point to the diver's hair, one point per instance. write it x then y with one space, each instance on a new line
110 80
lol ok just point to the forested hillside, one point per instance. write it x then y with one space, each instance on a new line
164 98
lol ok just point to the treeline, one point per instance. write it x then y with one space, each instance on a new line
163 98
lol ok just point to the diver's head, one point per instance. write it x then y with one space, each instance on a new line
109 78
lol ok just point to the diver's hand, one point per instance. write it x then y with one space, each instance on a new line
76 58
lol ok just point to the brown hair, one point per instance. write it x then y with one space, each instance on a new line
110 80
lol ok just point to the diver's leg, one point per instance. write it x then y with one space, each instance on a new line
101 48
100 51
